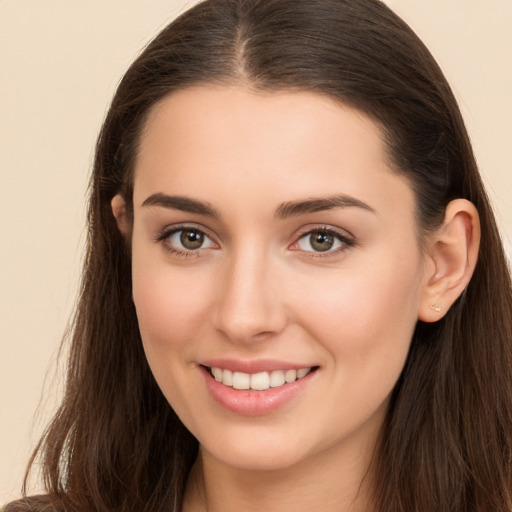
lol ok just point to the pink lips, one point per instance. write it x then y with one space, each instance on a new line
251 402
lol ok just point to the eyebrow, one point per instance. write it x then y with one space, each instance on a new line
284 211
295 208
185 204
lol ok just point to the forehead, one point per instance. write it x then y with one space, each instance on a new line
223 117
232 143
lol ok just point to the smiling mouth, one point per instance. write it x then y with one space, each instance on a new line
258 381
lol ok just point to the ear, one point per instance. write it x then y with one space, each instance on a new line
451 254
118 205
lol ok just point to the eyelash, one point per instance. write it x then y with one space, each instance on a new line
166 234
344 240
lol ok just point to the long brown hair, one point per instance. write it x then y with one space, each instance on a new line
115 444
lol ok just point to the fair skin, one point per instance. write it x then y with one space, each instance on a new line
236 269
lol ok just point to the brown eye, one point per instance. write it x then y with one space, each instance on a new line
321 241
191 239
186 240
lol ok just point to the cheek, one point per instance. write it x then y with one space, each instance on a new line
366 314
169 311
169 306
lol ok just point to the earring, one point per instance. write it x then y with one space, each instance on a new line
436 308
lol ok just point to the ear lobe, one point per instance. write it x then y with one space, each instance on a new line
118 205
453 253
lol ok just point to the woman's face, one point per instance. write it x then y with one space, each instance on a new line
276 272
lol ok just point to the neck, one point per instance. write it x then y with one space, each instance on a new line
336 480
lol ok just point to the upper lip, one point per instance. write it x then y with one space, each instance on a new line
253 366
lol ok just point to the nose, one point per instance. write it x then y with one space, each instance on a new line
250 305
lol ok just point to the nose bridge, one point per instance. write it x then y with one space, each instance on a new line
248 307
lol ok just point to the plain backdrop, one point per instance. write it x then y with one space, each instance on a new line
60 61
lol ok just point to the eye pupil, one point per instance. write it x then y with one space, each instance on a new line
191 239
321 241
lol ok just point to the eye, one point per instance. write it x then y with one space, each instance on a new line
323 240
185 240
190 239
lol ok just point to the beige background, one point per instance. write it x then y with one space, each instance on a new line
60 61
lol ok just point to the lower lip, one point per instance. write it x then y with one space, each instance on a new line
249 402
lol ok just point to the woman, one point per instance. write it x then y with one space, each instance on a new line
295 295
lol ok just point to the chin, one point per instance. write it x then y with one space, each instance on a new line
259 449
260 459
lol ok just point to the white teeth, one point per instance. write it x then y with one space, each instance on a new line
302 372
257 381
260 381
277 379
290 375
217 373
241 380
227 377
